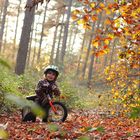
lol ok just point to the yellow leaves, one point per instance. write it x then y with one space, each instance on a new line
92 4
106 41
95 44
74 17
94 17
108 22
102 5
98 10
87 26
75 12
108 11
111 36
81 21
117 94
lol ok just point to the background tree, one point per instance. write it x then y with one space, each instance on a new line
3 22
24 41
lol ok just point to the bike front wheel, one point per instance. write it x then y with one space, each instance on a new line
59 115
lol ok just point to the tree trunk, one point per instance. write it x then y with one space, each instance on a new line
3 22
79 61
74 39
112 52
1 10
34 51
70 38
30 44
15 36
64 43
92 55
54 39
59 41
6 32
42 32
88 51
25 37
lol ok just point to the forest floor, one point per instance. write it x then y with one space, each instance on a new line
82 125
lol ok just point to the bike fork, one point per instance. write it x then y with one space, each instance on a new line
52 106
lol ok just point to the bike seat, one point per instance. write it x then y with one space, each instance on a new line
32 97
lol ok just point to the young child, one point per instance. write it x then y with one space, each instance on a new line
47 85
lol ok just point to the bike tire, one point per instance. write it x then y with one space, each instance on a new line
64 111
27 114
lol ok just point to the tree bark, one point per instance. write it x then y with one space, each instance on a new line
112 52
30 44
74 39
59 41
3 22
6 32
15 36
92 56
24 40
70 37
34 51
64 43
42 32
54 39
79 61
1 10
88 51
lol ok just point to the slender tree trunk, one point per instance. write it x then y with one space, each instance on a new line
112 52
3 22
70 38
53 46
88 51
59 40
74 39
79 61
1 10
92 55
30 44
6 32
64 43
15 36
24 40
42 32
54 39
105 60
34 51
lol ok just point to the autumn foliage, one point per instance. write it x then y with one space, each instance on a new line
121 23
81 125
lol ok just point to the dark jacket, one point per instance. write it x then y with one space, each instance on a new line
44 87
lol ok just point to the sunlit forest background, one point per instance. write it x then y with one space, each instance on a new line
95 44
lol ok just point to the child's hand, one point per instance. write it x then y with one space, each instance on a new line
45 85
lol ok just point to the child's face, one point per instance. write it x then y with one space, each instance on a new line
50 76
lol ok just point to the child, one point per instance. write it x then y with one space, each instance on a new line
47 85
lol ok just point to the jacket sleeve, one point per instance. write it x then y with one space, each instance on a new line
56 90
40 90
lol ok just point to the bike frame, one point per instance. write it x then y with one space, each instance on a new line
51 103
